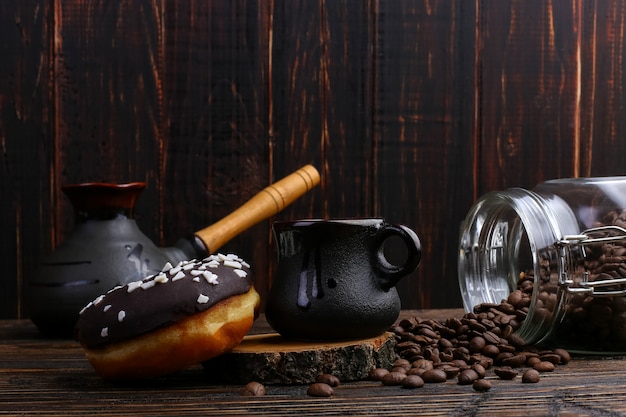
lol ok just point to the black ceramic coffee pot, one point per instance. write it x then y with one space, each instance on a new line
107 248
336 278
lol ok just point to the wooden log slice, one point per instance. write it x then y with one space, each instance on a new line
272 359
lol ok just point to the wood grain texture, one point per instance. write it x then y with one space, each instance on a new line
603 97
52 377
529 80
26 157
215 121
423 125
410 110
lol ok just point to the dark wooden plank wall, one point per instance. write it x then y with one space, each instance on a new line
410 109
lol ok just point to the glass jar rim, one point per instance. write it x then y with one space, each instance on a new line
506 217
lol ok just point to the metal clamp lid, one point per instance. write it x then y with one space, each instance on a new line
594 288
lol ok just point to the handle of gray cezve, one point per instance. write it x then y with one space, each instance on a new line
266 203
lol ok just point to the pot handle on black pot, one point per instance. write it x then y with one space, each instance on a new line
389 273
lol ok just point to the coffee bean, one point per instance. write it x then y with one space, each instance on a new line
422 363
446 356
491 350
532 361
427 332
477 326
506 348
461 353
505 372
515 298
377 374
563 354
491 337
531 376
516 340
483 360
480 370
544 366
467 377
453 323
551 357
477 344
434 376
415 371
393 378
329 379
481 385
413 381
488 322
502 356
445 344
253 389
402 363
319 389
506 308
514 361
459 363
399 369
451 371
408 324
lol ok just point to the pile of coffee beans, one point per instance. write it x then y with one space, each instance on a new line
465 349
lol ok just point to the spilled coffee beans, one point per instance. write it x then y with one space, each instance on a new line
253 389
329 379
531 376
470 348
320 389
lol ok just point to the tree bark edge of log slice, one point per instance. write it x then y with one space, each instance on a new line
274 360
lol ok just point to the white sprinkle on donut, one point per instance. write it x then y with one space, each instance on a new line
241 273
195 279
202 299
178 276
167 267
210 277
121 315
232 264
117 287
161 279
106 308
104 332
132 286
213 264
86 307
148 284
98 300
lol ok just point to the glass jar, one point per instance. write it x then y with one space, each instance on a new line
563 245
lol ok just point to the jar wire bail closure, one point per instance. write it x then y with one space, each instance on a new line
598 288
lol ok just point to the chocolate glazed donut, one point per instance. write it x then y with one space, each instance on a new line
181 316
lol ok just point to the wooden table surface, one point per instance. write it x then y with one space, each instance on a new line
40 376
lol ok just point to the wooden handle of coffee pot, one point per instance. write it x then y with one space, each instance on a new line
266 203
